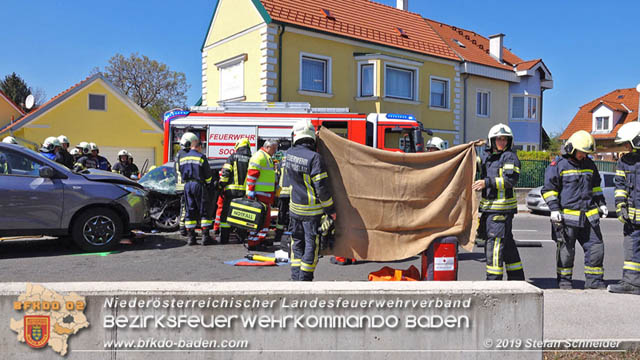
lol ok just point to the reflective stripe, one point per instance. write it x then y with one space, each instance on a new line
576 172
246 207
514 266
496 252
571 212
327 203
593 270
208 180
565 271
235 187
225 225
320 177
550 194
620 173
597 191
499 218
240 222
621 193
495 270
508 166
630 265
263 194
227 166
516 169
305 211
498 204
249 177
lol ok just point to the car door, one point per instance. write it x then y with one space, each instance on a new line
28 201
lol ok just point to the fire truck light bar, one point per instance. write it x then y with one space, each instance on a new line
400 117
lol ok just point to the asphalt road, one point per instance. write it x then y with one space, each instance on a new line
165 257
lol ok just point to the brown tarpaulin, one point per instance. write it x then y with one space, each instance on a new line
391 205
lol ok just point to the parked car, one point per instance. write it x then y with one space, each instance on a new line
536 203
41 197
164 200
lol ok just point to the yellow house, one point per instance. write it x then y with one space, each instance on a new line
9 111
360 54
96 111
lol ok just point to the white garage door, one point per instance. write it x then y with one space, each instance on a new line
140 155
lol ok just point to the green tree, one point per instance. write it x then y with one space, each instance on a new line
16 89
149 83
554 143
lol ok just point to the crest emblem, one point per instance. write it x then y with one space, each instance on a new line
36 330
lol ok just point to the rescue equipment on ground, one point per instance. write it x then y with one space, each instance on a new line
390 274
246 214
440 260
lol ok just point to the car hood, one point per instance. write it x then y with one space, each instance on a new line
108 177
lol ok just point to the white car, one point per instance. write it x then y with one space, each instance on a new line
536 203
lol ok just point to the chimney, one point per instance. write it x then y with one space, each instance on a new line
496 42
402 5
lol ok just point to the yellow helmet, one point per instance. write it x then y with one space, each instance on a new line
581 141
242 142
629 132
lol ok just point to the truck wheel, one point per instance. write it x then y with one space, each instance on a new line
97 229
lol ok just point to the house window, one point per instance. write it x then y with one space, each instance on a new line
366 80
602 123
483 101
524 108
399 83
439 93
232 78
97 102
315 74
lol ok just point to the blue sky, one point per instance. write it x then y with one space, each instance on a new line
590 46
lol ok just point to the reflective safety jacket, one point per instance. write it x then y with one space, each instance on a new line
5 168
261 176
194 166
500 171
124 169
176 163
233 176
306 172
573 188
627 181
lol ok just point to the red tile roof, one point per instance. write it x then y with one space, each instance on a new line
43 107
363 20
476 47
14 105
615 99
527 65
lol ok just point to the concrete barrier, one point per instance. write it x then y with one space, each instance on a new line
287 320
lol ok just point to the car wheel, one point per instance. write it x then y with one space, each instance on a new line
169 220
97 229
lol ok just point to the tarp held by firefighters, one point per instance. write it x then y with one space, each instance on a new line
391 205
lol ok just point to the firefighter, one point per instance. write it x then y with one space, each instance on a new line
10 140
196 173
185 145
627 181
261 185
64 152
434 144
75 154
51 149
85 161
572 191
282 224
103 163
500 169
310 199
134 169
122 166
233 182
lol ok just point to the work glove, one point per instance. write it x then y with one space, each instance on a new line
325 224
603 211
251 195
327 232
556 217
623 215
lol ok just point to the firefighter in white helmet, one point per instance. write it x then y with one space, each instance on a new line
51 149
185 145
122 165
305 170
85 161
101 161
627 181
64 152
434 144
572 191
500 171
10 140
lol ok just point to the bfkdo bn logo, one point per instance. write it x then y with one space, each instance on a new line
49 318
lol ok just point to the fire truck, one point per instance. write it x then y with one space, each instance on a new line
220 127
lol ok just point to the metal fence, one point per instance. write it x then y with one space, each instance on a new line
532 171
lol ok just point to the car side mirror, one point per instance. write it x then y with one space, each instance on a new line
46 172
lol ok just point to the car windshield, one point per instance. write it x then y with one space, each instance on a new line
161 179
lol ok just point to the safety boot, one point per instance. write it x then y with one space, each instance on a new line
565 285
206 238
183 231
624 288
224 235
596 284
192 238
